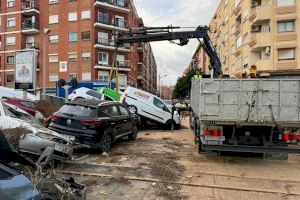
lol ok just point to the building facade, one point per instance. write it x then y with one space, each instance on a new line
259 33
73 38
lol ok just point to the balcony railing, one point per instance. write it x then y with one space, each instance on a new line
118 3
116 22
31 46
120 64
29 25
29 5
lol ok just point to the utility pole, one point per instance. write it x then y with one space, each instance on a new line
46 34
159 83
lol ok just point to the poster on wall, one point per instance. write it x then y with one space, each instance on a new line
25 69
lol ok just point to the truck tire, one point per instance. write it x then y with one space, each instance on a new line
132 109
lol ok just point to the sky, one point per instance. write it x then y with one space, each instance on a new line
173 59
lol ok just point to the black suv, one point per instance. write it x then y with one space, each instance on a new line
95 123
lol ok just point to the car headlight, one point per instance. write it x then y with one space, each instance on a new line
44 136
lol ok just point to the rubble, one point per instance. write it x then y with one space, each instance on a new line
14 135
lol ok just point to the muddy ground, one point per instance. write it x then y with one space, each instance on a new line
166 165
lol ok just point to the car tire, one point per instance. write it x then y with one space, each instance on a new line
132 109
106 142
132 136
168 125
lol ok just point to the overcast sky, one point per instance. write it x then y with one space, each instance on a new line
173 59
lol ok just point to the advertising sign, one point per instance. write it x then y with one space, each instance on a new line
25 71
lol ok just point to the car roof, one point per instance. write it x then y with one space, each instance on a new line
83 89
92 102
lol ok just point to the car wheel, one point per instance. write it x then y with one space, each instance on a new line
168 125
132 136
106 142
132 109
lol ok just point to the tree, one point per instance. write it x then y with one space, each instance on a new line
183 85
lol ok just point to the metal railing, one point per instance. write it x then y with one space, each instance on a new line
115 22
118 3
29 25
108 42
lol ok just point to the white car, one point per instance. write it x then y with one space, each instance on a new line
35 138
86 93
12 93
149 107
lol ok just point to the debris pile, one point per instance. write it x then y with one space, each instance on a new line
14 135
45 107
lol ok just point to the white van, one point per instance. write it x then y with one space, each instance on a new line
149 107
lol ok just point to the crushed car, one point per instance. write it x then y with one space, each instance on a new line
27 136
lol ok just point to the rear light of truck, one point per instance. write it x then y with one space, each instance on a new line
290 137
211 132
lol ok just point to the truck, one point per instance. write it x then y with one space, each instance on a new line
247 115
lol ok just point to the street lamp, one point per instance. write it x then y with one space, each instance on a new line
46 33
159 83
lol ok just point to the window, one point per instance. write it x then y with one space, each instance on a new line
28 104
112 111
86 76
158 103
124 111
285 2
72 75
103 58
53 77
103 76
72 37
103 17
286 54
120 3
239 41
10 3
10 40
103 38
86 56
72 16
63 66
94 94
53 39
53 58
86 14
86 35
119 21
53 19
73 57
10 78
10 59
286 26
11 22
53 1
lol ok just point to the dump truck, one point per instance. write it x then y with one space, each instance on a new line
247 115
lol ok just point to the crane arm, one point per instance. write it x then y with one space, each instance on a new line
152 34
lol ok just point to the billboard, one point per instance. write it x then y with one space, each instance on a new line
25 69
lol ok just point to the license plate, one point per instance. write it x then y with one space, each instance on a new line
69 137
59 148
215 138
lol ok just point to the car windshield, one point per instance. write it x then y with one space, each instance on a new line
78 111
94 94
10 111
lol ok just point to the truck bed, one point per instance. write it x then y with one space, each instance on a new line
268 102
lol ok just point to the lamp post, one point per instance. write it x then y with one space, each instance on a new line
159 83
46 34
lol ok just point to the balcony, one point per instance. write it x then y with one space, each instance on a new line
29 8
115 5
237 29
30 28
116 24
122 65
260 14
103 43
238 52
261 39
31 46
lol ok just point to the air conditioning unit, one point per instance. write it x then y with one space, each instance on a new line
268 50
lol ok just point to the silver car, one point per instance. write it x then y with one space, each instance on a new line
28 136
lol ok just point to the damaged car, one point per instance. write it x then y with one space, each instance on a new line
27 136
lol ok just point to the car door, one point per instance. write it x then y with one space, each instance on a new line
127 119
161 111
113 111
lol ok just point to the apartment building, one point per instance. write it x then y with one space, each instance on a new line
257 33
73 38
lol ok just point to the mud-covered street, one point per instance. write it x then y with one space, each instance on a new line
166 165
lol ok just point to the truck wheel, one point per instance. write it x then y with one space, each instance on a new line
106 142
132 109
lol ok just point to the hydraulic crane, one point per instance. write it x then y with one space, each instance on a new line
152 34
